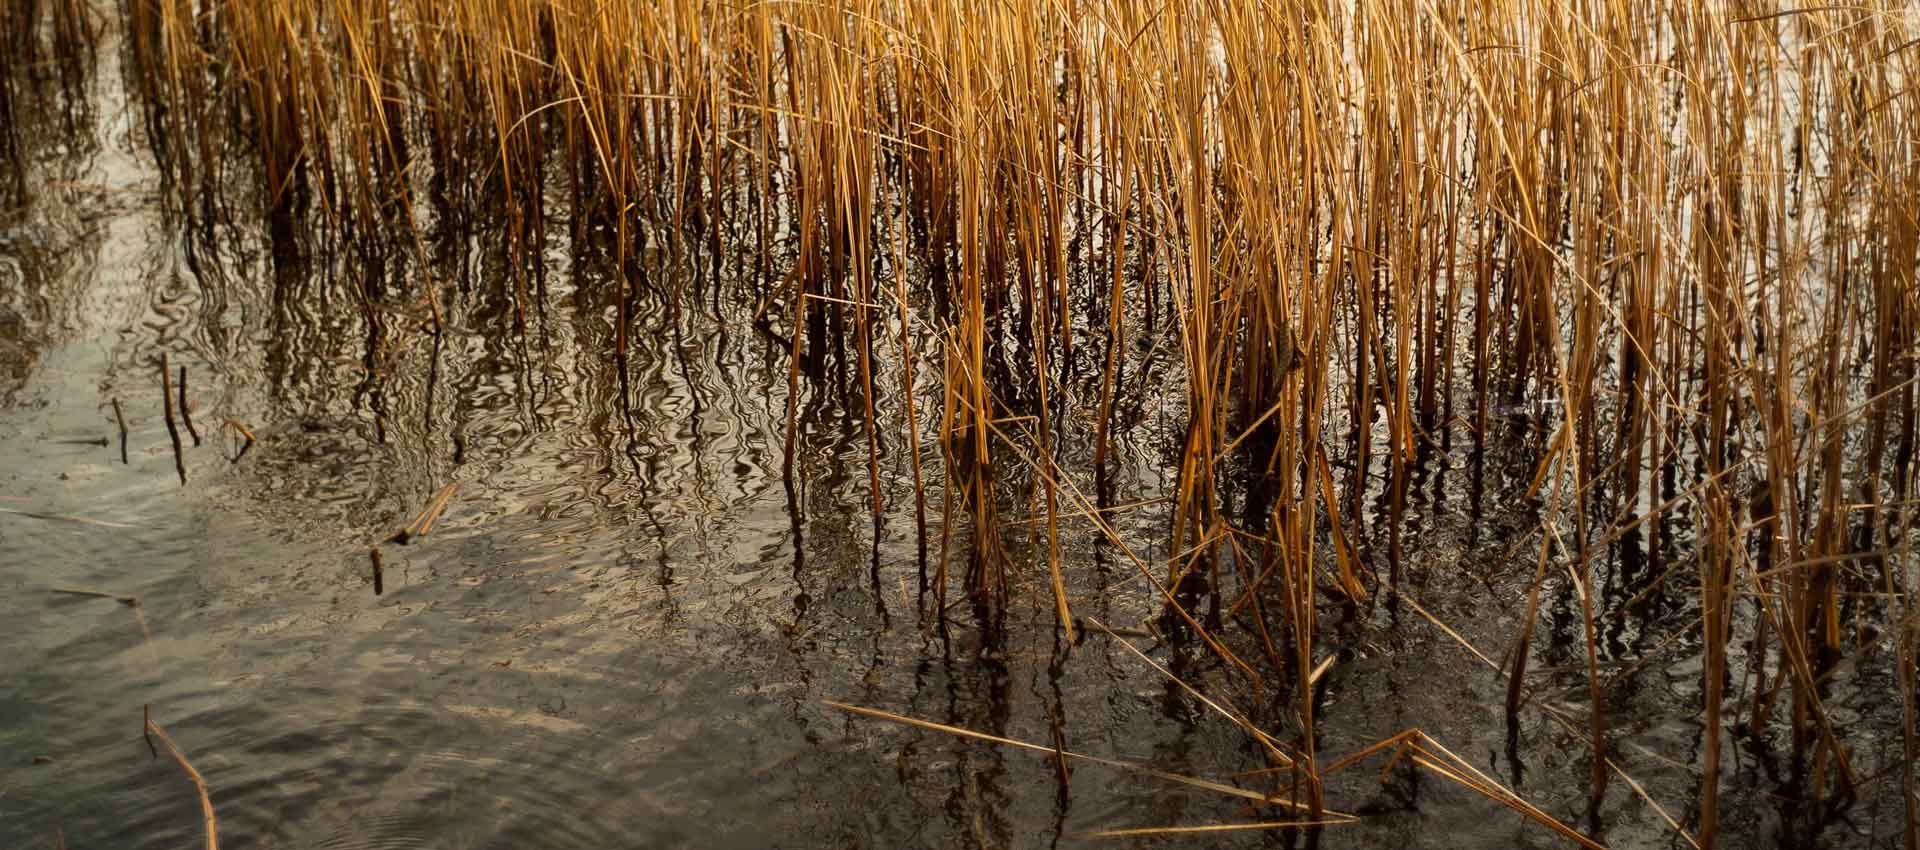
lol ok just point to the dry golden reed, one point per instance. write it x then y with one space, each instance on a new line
1364 229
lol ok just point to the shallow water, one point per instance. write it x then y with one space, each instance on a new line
624 628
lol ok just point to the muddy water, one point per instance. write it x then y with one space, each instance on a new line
623 629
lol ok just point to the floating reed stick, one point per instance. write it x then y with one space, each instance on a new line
173 431
146 721
186 411
424 522
132 602
120 418
1254 797
65 518
245 435
153 732
98 594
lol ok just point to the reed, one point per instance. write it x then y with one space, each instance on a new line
173 431
1351 234
120 421
210 824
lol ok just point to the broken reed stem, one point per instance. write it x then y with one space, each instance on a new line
100 523
1051 752
186 410
1143 831
97 594
1422 750
154 732
245 435
133 602
173 431
121 420
146 732
379 571
423 523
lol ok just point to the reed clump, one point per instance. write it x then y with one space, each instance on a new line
1353 236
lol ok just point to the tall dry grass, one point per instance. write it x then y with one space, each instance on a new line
1366 229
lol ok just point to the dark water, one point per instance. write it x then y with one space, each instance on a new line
622 631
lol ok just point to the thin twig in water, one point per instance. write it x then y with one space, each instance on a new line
121 418
245 435
146 729
1206 784
1131 832
186 411
1273 747
139 612
166 399
130 601
153 732
65 518
424 522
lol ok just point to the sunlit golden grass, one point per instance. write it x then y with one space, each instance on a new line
1368 228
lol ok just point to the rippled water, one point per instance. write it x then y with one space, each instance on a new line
623 629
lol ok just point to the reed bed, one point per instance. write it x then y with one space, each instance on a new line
1365 231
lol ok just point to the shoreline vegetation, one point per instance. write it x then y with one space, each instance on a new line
1682 243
